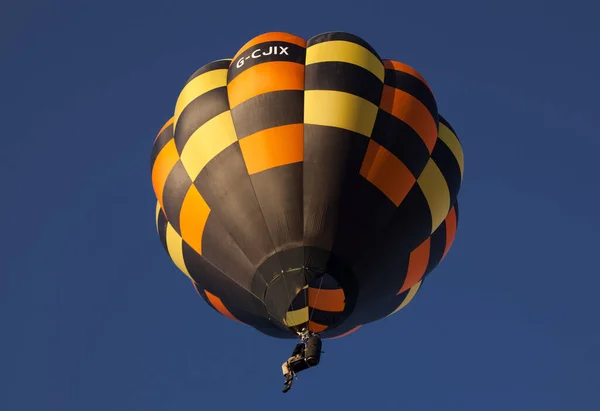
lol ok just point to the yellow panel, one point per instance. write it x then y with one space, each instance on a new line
339 109
448 137
434 187
157 214
296 317
175 248
411 294
207 141
347 52
198 86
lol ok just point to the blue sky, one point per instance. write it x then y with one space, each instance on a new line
95 316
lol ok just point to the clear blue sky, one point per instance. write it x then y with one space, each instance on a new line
96 317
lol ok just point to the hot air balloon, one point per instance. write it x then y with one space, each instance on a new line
306 187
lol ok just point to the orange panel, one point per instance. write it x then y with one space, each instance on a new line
346 333
387 173
219 306
273 147
410 110
419 259
192 218
273 36
316 327
167 124
165 161
327 300
405 68
369 159
450 229
264 78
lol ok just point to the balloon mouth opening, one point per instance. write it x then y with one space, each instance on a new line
318 306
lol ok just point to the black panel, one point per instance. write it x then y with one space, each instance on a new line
257 318
176 187
413 86
266 52
221 250
437 247
411 223
161 141
162 229
277 108
199 111
282 290
325 317
339 35
214 65
279 193
226 187
345 77
364 213
330 155
446 123
283 287
209 277
401 140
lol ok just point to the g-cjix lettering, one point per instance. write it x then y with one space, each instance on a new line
258 53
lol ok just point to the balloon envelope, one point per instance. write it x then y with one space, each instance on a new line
306 184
